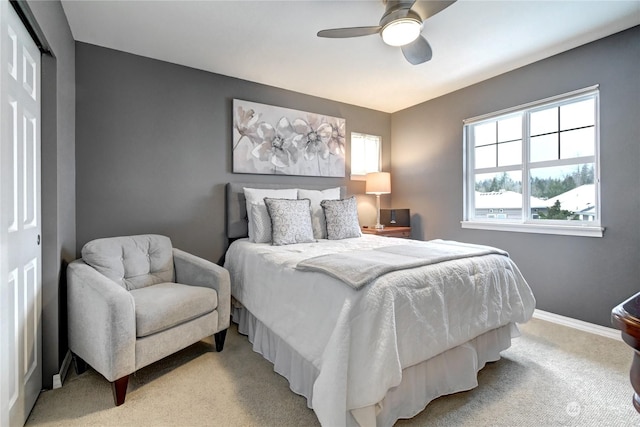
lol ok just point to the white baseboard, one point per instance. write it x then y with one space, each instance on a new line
578 324
58 378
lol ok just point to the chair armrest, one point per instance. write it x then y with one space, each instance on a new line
193 270
102 321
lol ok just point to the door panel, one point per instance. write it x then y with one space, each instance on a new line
20 254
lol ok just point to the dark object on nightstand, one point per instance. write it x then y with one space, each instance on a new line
395 217
626 317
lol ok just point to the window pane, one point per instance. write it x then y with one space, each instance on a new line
484 134
357 155
544 121
510 129
577 115
485 157
557 153
498 195
372 154
365 153
510 153
544 148
577 143
563 192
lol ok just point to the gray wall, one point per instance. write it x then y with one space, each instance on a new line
58 179
579 277
154 143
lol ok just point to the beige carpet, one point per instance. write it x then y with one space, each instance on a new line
551 376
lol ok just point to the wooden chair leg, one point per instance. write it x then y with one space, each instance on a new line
119 388
219 338
79 365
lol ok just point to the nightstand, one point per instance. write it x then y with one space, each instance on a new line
402 232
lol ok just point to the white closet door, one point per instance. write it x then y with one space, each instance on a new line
20 229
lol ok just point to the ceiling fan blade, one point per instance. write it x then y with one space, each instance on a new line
418 51
426 9
340 33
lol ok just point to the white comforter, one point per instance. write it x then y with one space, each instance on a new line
361 340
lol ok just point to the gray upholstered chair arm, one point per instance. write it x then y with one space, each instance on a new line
193 270
102 321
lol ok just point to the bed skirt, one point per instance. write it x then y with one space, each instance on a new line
450 372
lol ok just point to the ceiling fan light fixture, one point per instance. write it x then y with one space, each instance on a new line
401 31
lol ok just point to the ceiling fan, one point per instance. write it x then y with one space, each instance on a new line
400 25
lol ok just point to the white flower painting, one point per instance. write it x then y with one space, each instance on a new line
280 141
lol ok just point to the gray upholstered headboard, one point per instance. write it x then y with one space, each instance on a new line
237 207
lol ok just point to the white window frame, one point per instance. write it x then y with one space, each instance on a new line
527 224
371 162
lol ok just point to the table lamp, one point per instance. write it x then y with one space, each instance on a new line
378 183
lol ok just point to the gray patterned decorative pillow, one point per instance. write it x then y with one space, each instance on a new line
290 221
342 218
257 195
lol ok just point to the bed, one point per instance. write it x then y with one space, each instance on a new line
369 351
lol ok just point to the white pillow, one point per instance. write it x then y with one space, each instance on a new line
317 214
261 223
342 218
290 221
257 195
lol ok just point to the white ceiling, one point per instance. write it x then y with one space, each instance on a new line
275 42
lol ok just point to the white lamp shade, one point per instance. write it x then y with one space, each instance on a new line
378 183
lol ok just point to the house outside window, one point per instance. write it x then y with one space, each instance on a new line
535 168
365 155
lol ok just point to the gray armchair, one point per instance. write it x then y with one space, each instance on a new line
134 300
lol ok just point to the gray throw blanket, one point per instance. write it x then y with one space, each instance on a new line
360 267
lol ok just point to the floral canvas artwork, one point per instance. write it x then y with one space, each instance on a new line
280 141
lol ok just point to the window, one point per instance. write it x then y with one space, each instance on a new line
365 154
535 168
